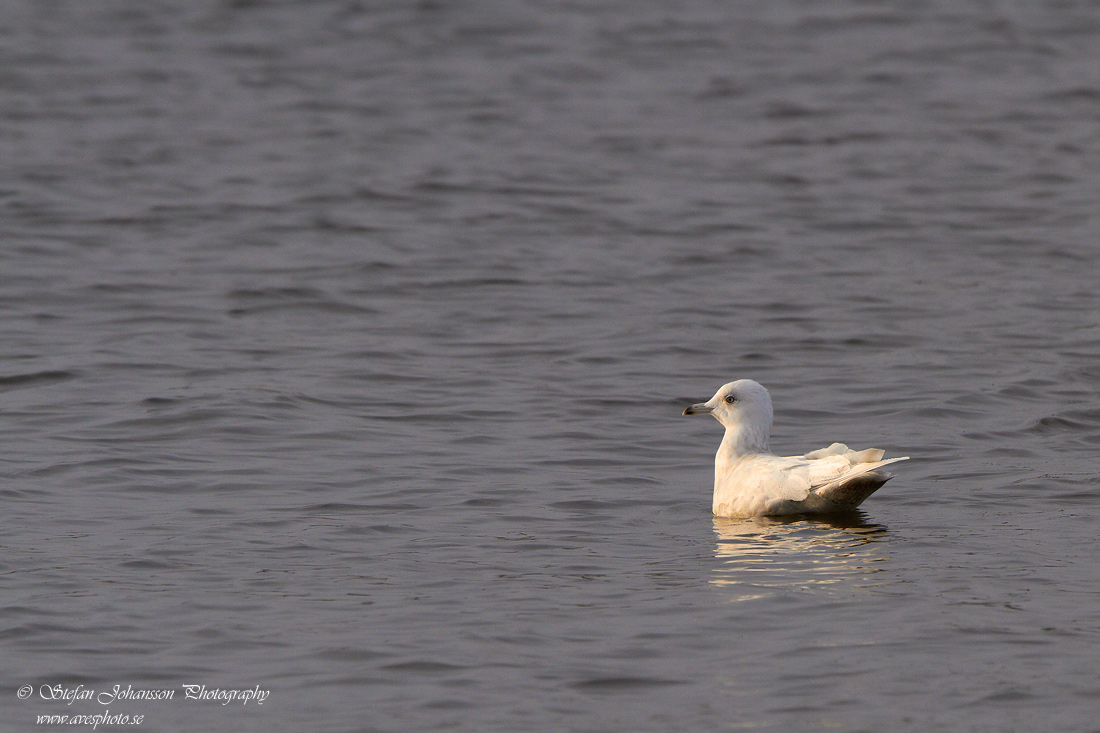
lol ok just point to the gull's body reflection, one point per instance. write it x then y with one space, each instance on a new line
760 557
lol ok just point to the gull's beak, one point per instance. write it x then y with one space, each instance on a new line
700 409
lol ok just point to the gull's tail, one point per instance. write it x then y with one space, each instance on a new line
846 492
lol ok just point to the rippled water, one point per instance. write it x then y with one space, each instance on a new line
344 348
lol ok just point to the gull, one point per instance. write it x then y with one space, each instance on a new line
751 481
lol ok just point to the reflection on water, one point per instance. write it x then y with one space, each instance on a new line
762 556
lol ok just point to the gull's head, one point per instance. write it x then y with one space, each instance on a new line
745 408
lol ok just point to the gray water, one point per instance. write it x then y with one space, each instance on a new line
344 346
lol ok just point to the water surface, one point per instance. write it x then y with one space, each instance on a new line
344 347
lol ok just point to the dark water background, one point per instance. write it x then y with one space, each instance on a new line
344 346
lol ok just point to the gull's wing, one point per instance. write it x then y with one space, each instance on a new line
833 479
793 478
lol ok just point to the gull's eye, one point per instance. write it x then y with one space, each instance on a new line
730 399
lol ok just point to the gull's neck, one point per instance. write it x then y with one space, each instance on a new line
741 439
737 443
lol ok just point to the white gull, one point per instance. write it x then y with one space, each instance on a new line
751 481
